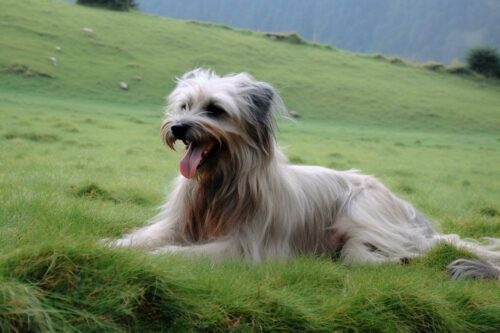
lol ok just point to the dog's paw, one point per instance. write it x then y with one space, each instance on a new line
165 249
123 242
105 242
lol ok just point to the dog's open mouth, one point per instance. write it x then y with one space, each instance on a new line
195 156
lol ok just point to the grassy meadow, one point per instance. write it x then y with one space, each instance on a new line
81 159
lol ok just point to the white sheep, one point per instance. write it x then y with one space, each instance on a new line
53 60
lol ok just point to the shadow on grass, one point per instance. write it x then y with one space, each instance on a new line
93 191
35 137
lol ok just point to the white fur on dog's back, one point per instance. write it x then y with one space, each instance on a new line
307 201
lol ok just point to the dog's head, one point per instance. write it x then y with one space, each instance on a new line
227 123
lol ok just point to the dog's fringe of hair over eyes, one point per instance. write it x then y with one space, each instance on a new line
246 200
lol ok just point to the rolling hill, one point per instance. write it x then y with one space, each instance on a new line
439 30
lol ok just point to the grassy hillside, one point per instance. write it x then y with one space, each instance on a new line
320 83
421 30
81 160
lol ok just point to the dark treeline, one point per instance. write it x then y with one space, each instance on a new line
439 30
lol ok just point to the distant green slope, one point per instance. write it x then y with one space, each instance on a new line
147 52
421 30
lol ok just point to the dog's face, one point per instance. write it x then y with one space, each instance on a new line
225 122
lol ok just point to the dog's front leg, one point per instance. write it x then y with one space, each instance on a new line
149 237
217 249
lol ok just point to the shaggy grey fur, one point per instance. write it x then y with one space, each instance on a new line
473 268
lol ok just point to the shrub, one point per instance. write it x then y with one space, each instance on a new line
396 60
111 4
291 37
457 68
484 60
433 66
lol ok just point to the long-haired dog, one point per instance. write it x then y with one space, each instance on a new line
239 197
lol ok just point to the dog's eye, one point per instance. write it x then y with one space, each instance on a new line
184 107
214 110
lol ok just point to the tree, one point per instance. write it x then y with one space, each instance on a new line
484 60
111 4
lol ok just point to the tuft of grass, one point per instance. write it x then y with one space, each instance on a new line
442 255
93 191
296 160
433 66
489 211
214 25
93 291
35 137
335 155
397 311
407 189
96 192
456 68
25 71
289 37
137 120
396 60
22 309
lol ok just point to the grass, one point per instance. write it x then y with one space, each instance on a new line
81 160
83 288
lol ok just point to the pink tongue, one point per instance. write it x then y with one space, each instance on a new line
191 160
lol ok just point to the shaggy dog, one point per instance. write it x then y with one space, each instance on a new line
239 197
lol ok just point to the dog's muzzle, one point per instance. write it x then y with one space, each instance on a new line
197 150
180 130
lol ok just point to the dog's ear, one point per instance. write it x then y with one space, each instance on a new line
261 98
261 103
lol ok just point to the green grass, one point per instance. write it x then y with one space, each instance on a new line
81 160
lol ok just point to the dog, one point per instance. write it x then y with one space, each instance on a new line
239 197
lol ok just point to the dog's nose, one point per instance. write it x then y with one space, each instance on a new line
179 131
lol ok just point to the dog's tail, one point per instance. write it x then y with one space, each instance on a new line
488 252
473 268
